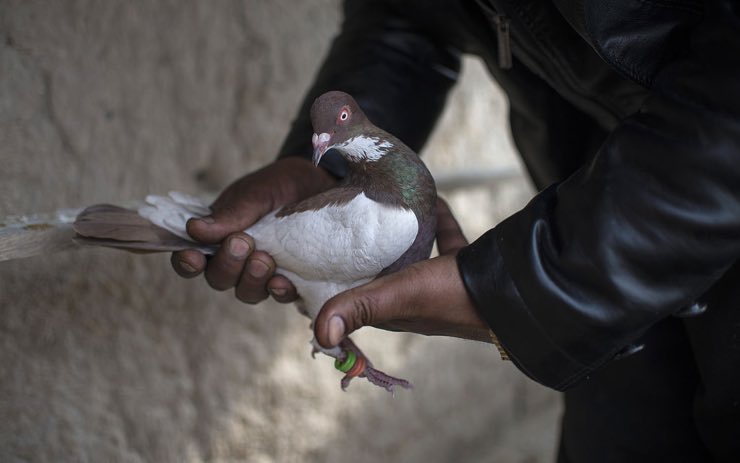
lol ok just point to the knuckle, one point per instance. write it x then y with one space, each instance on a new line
364 306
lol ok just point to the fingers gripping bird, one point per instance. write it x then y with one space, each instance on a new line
380 218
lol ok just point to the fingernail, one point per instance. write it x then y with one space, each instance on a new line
336 330
208 219
238 248
279 292
257 269
187 267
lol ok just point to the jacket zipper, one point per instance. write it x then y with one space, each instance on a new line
503 38
503 35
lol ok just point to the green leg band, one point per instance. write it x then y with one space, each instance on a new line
348 363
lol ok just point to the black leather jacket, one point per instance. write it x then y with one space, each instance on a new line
627 114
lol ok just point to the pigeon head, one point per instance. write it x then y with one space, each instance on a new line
339 123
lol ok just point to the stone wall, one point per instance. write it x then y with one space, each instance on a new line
106 356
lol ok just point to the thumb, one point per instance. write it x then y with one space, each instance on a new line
375 303
223 222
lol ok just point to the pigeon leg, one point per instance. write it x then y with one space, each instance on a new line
335 352
354 363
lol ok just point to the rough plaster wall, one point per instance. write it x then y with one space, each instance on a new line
106 356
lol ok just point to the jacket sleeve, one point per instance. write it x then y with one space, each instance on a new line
591 263
398 71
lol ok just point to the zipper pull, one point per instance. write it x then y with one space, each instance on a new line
504 41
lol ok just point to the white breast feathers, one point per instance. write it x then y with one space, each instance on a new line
345 242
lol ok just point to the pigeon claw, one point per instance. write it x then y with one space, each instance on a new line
353 363
385 381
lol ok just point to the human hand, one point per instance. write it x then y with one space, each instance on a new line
237 264
427 297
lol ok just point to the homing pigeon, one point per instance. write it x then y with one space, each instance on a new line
380 218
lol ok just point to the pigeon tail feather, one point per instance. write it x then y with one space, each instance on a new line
173 212
158 226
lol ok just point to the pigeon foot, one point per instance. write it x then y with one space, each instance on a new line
353 363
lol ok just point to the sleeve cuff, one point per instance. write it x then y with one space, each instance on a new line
497 299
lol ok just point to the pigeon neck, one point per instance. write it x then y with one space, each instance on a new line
398 178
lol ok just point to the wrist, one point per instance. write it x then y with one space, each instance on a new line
464 321
482 330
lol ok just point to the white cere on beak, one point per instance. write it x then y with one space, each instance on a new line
320 145
323 138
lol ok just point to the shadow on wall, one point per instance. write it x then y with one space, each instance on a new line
110 357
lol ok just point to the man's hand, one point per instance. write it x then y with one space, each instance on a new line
237 264
427 297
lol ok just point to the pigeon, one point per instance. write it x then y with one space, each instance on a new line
380 218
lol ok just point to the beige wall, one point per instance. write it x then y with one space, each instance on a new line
106 356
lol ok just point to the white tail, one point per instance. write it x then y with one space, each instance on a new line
173 212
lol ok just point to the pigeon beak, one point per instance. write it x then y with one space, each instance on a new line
320 145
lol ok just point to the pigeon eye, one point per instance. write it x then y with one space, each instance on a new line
344 116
